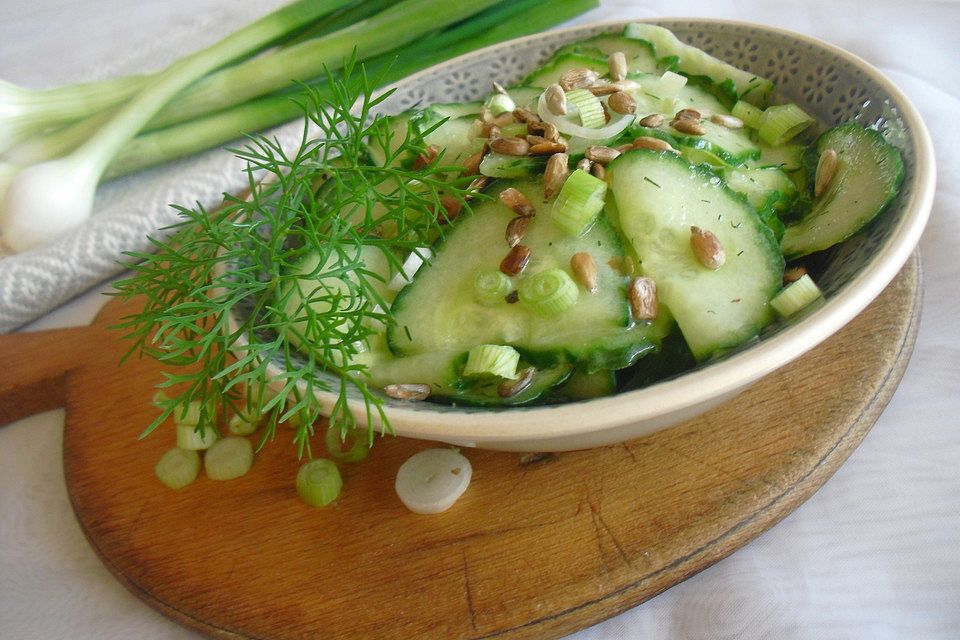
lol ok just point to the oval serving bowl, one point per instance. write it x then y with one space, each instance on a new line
832 85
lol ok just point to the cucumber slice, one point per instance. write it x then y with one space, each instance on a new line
558 65
769 190
640 55
659 197
694 62
868 175
438 312
731 146
498 165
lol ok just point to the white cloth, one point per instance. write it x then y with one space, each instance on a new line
875 554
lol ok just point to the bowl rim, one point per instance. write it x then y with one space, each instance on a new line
688 390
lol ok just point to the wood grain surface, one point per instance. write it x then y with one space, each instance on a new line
539 546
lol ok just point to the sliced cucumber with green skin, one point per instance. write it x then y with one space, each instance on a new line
456 138
442 371
302 296
732 146
640 55
660 197
583 385
498 165
769 190
558 65
695 62
438 311
868 175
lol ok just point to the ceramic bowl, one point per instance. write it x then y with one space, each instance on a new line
833 85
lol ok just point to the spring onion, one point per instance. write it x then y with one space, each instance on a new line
336 440
492 360
567 126
797 296
228 458
578 203
319 482
549 293
491 286
194 438
781 123
432 480
49 199
178 467
241 425
751 115
588 108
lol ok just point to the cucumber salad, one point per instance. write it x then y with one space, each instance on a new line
639 208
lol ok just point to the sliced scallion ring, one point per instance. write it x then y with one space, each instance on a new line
568 127
588 108
751 115
337 444
500 103
491 286
178 467
189 438
319 482
782 123
549 293
578 203
432 480
228 458
492 360
796 296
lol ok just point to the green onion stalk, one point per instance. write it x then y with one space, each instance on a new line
233 100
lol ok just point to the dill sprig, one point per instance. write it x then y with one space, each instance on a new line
326 197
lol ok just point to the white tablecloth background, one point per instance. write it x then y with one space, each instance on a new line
875 554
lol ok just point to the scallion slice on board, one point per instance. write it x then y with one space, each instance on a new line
228 458
178 467
432 480
319 482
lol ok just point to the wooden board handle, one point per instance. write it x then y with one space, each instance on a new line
34 368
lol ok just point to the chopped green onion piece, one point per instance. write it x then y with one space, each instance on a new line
228 458
578 203
335 441
241 425
549 293
500 103
189 415
588 107
514 130
492 359
490 287
189 438
796 296
750 114
178 468
782 123
432 480
319 482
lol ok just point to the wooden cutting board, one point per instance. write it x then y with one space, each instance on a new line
538 547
